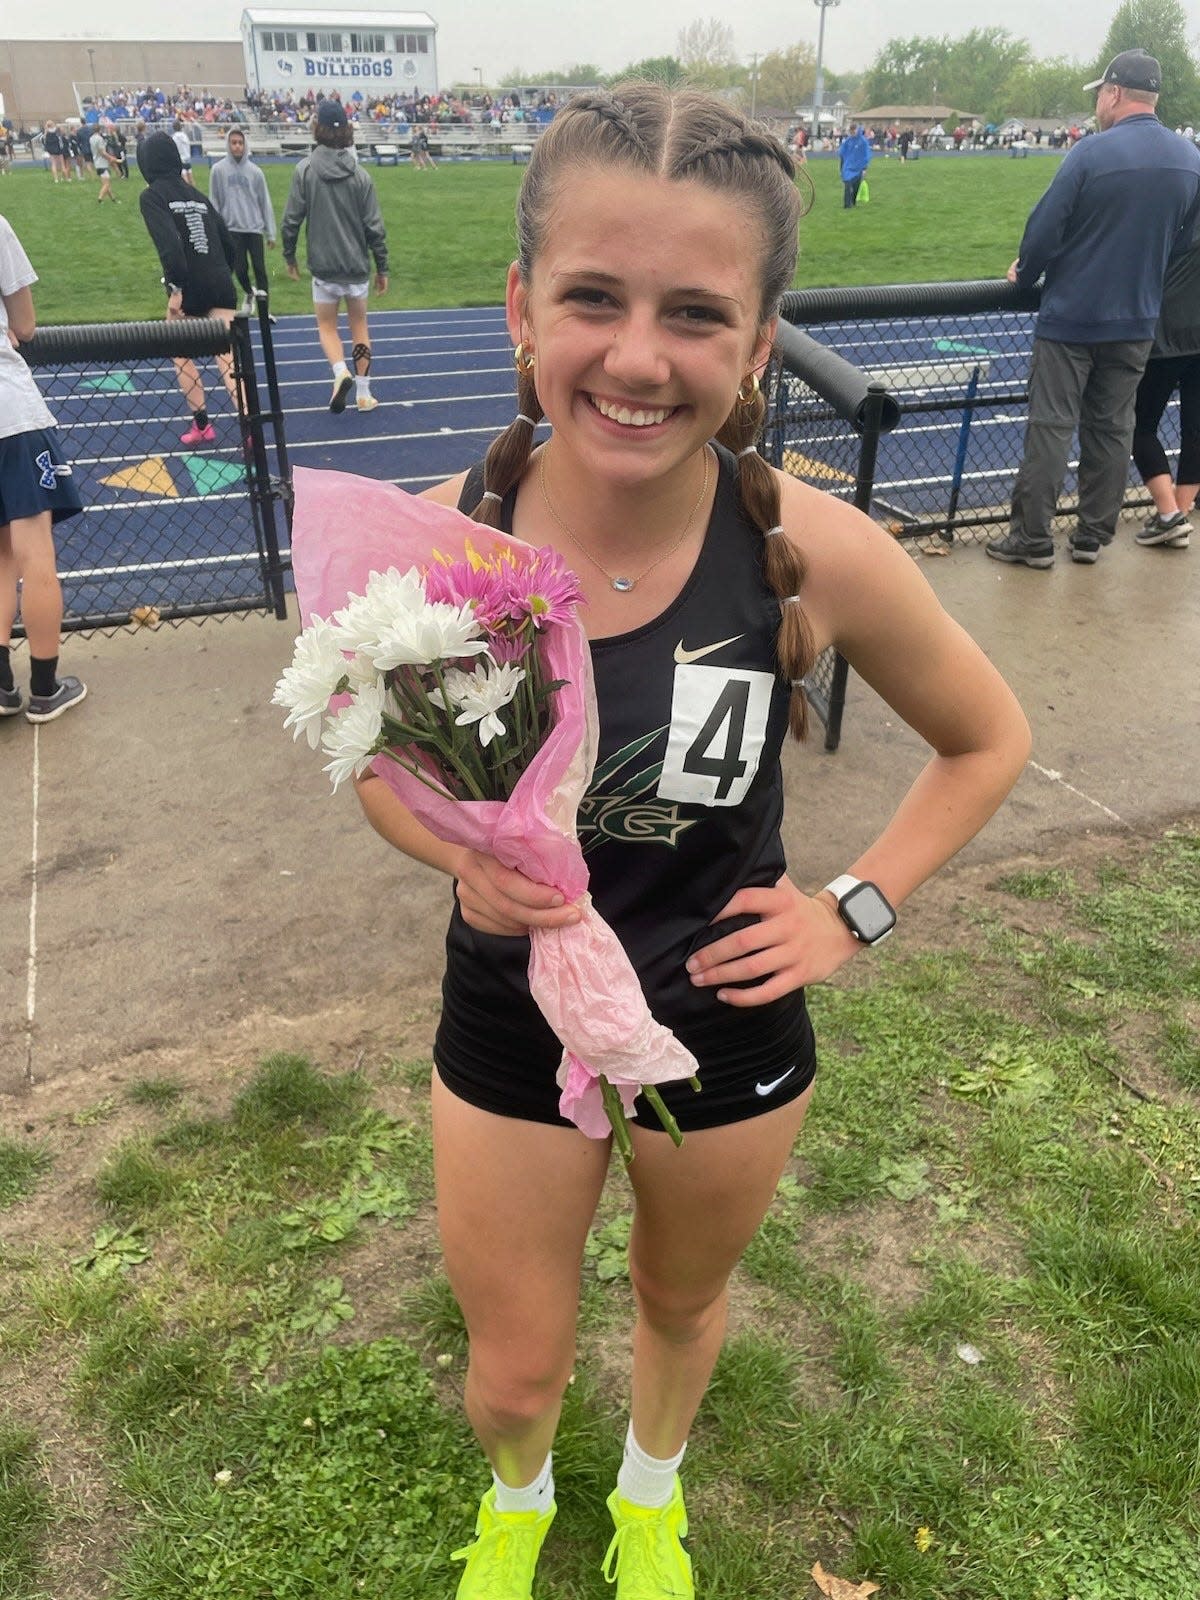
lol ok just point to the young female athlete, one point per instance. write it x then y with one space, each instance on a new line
656 234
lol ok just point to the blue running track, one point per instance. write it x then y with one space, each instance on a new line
445 384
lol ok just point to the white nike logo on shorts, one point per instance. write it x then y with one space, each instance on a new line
686 657
770 1088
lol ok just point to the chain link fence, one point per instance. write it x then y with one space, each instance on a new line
956 358
910 400
169 530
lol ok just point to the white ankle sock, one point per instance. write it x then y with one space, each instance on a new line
362 386
536 1496
340 370
645 1480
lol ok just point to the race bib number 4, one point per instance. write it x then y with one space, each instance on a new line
718 728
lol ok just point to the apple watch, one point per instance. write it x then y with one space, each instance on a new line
863 907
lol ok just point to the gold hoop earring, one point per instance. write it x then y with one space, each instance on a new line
523 359
748 390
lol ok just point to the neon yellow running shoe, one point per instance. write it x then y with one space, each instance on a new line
646 1560
501 1561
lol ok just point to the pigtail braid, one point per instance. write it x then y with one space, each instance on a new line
783 565
508 454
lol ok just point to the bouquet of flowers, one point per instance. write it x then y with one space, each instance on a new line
447 657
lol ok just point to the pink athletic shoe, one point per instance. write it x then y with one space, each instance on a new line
196 435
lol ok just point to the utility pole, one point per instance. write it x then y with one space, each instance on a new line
819 89
753 83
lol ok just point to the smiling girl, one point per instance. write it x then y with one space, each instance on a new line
656 235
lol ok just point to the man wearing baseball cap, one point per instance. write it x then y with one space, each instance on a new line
1120 204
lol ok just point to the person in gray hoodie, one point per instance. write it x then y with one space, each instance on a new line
239 191
336 199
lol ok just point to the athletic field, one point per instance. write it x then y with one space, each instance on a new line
450 232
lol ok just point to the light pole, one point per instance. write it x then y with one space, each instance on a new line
92 64
819 87
478 71
753 83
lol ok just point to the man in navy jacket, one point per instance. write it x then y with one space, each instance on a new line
1102 234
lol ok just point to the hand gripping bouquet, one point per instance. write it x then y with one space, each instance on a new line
447 657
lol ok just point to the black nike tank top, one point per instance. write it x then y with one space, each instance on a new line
686 801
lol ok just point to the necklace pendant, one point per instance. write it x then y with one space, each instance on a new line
622 585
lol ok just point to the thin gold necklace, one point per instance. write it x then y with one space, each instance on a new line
621 585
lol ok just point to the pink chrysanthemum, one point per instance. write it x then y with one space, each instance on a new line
542 588
477 584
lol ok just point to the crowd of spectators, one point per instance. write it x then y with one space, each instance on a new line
157 107
400 111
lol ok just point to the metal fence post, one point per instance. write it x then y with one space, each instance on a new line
258 473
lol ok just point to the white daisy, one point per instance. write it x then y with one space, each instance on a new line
481 694
352 738
387 595
318 668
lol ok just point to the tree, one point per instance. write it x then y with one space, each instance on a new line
906 72
968 73
706 44
787 78
1159 26
583 72
659 69
1050 89
977 67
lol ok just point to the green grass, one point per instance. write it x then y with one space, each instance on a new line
24 1511
451 233
973 1178
21 1165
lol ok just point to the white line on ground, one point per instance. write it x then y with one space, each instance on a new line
1057 777
31 969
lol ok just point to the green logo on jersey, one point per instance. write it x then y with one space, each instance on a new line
618 807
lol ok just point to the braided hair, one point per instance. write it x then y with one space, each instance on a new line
646 128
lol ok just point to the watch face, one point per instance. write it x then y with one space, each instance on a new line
867 912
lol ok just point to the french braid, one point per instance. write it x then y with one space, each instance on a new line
682 135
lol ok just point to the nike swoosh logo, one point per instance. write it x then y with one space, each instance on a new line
686 657
770 1088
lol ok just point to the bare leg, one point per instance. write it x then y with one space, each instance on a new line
356 316
190 385
8 585
698 1207
1185 496
327 332
225 362
1162 492
27 551
515 1200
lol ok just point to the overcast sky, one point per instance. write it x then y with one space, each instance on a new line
540 35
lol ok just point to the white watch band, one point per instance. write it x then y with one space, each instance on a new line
841 886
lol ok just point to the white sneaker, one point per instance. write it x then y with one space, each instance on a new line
367 402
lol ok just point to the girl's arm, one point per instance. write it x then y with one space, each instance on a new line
865 595
493 898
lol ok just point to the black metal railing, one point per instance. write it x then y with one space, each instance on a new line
169 530
825 420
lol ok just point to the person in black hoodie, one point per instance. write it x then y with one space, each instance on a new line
197 255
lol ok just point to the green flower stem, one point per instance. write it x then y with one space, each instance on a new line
656 1103
418 774
618 1121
